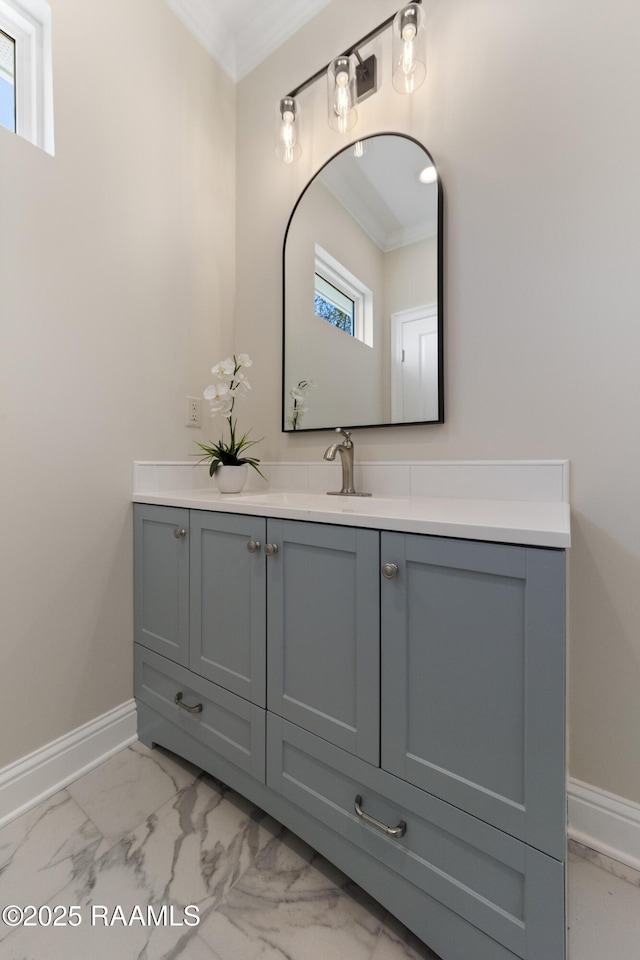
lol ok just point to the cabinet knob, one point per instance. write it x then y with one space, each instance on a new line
389 570
179 534
270 549
253 546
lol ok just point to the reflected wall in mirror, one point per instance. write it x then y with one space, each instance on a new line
363 291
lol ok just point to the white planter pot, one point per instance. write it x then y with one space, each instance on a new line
231 479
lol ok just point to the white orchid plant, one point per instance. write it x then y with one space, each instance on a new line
299 396
231 385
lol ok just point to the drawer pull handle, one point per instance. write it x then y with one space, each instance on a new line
270 549
396 832
179 534
253 546
196 709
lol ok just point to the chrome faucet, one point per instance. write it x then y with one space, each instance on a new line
345 449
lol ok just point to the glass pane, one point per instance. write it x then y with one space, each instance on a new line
333 305
7 82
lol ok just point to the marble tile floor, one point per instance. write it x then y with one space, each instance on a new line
146 827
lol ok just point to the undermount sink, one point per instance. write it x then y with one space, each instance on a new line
319 501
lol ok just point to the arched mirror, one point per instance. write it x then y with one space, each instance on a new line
363 291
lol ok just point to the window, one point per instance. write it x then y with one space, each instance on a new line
26 94
341 298
7 81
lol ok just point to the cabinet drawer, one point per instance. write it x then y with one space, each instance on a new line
510 891
224 722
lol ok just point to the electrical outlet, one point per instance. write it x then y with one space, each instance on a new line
194 412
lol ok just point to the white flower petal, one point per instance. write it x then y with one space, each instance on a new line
244 360
224 368
221 405
216 391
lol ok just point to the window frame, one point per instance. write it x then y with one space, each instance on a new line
10 79
28 23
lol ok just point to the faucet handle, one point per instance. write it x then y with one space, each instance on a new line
346 434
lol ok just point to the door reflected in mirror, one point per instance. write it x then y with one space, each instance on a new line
363 291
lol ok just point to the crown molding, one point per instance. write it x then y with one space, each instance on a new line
268 30
201 21
239 51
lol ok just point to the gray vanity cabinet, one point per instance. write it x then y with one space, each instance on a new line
473 680
395 699
161 580
323 631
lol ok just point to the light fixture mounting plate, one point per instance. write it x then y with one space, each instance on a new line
366 77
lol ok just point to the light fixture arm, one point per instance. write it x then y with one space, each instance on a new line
362 63
348 53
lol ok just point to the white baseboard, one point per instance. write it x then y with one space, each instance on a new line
605 822
32 779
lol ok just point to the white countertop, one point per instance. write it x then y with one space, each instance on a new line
544 524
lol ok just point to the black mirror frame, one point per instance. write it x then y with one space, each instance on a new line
440 285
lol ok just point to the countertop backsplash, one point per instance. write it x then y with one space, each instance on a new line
543 481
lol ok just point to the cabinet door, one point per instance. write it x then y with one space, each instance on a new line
161 580
473 680
228 599
323 630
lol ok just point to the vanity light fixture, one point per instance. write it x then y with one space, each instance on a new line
409 57
350 79
288 148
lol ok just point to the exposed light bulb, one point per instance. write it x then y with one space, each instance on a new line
342 100
287 139
341 78
408 63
